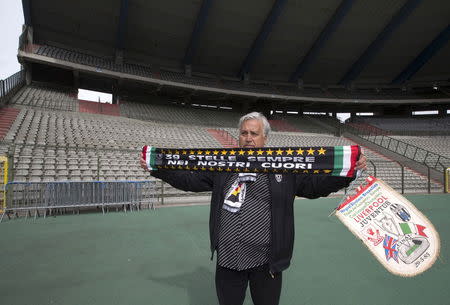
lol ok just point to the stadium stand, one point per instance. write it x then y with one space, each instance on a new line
99 108
223 137
368 128
384 168
226 82
63 145
409 126
282 125
47 98
437 144
175 76
383 93
178 115
418 139
10 86
7 117
100 62
42 127
55 137
305 124
381 166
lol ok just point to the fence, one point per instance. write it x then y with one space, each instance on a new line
46 197
401 178
10 85
89 165
90 169
412 152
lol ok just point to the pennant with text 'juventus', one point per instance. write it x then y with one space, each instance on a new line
402 239
332 161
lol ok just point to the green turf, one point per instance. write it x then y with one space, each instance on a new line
162 257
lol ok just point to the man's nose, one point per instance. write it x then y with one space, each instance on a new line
248 138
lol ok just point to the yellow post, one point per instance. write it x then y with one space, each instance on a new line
3 182
447 180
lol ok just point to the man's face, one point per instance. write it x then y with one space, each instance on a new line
251 134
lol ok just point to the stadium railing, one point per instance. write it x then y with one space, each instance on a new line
10 85
47 197
428 158
402 181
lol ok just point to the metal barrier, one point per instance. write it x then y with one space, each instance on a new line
11 85
402 178
412 152
46 197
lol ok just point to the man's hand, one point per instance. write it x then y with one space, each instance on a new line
361 164
144 165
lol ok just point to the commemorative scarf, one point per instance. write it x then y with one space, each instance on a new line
330 160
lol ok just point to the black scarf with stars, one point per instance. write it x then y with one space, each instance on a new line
333 160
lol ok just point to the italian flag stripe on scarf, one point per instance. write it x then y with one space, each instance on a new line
331 160
344 158
149 154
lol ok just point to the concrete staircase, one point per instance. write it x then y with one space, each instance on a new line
7 117
223 137
281 125
99 108
369 128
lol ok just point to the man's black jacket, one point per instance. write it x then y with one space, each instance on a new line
283 192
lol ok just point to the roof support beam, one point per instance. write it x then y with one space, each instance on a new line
400 16
26 6
198 28
424 56
121 29
258 44
326 33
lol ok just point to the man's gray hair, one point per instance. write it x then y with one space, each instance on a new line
256 116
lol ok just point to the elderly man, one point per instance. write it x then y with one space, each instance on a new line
254 238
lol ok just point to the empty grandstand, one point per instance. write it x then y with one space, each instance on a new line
52 139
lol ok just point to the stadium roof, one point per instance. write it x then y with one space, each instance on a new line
320 42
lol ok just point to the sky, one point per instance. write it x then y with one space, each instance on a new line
11 20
